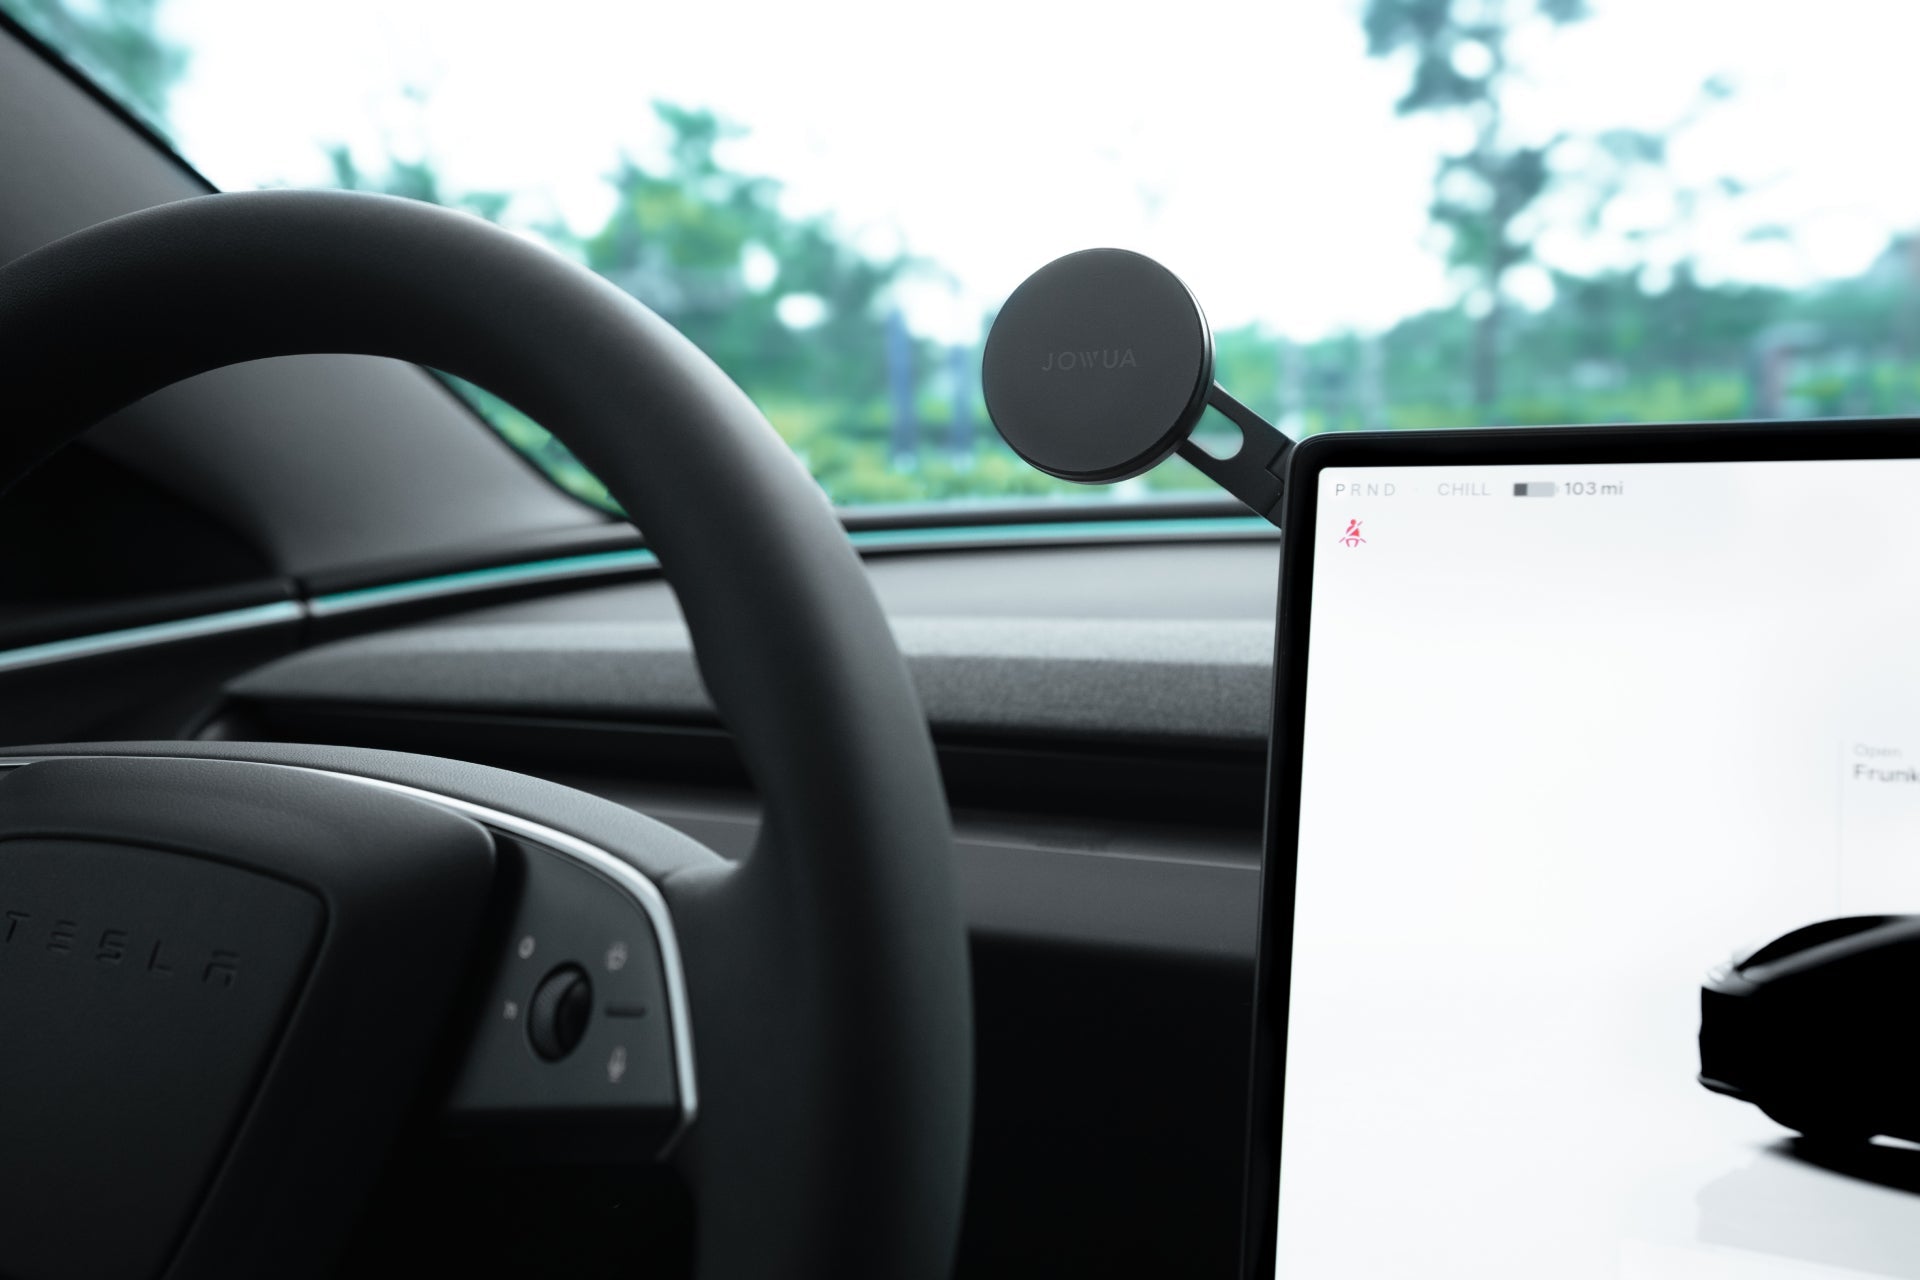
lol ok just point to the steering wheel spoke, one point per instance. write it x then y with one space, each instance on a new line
223 984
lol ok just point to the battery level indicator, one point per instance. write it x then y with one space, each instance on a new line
1535 489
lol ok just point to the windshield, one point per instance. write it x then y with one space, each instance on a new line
1398 213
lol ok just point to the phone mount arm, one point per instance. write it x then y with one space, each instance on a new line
1256 472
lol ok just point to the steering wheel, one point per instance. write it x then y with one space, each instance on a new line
232 974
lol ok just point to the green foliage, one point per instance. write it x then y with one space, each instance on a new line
684 237
1460 64
1435 32
1608 349
711 250
116 42
808 324
1251 361
537 444
414 180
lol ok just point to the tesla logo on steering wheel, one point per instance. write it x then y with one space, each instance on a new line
115 948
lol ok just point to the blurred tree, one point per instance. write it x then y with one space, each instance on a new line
781 302
414 180
117 42
792 311
1461 65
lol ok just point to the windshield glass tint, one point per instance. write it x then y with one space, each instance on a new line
1398 213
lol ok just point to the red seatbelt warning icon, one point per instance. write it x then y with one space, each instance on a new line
1351 538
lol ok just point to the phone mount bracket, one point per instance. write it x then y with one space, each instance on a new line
1100 365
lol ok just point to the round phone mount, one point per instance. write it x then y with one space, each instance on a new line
1098 368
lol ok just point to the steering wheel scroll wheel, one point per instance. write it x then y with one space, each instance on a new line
232 974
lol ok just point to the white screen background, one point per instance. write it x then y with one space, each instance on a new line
1562 755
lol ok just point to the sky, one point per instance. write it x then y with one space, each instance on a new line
1253 148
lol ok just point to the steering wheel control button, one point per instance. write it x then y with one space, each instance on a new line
570 1054
557 1019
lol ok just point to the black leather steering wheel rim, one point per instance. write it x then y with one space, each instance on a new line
828 972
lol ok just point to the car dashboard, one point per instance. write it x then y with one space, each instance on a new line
1100 712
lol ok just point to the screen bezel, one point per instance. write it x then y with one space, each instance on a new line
1732 442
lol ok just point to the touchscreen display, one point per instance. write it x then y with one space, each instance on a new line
1573 735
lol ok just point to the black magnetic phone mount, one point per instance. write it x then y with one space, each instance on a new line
1098 368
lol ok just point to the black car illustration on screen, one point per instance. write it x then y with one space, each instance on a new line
1816 1028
